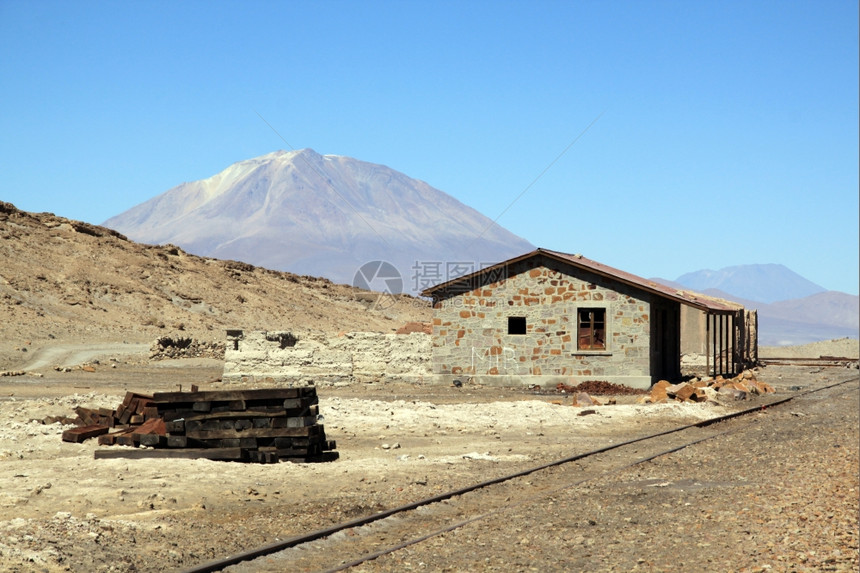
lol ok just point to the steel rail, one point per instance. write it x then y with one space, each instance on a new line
822 361
220 564
544 494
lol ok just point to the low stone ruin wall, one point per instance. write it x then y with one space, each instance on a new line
287 358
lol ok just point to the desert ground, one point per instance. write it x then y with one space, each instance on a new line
63 510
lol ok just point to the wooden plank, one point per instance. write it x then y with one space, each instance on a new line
155 426
252 433
323 457
88 417
177 441
175 427
292 452
110 439
232 395
294 422
183 453
297 442
170 415
126 416
256 413
126 440
79 434
153 440
245 443
259 457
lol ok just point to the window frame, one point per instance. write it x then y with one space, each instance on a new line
591 326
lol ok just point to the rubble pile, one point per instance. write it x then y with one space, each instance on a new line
699 390
261 425
168 347
600 388
742 387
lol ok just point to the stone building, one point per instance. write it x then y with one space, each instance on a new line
547 317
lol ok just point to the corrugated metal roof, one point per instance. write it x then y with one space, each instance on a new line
690 298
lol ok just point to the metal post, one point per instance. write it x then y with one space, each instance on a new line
707 343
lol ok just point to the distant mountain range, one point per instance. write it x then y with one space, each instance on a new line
791 309
766 283
324 215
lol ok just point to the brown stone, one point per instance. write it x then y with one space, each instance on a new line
767 388
698 395
685 392
742 386
732 392
658 391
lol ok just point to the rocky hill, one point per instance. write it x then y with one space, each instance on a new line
64 280
323 215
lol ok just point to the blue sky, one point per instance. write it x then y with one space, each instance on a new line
726 132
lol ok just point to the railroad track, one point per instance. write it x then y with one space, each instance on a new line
372 536
822 361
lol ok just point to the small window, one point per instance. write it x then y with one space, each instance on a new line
591 332
516 325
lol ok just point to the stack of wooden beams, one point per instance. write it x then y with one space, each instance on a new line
261 425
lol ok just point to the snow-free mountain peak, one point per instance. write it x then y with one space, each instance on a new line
324 215
762 282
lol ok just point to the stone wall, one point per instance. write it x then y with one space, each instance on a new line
286 358
471 340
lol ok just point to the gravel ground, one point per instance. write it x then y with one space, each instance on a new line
779 494
779 489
